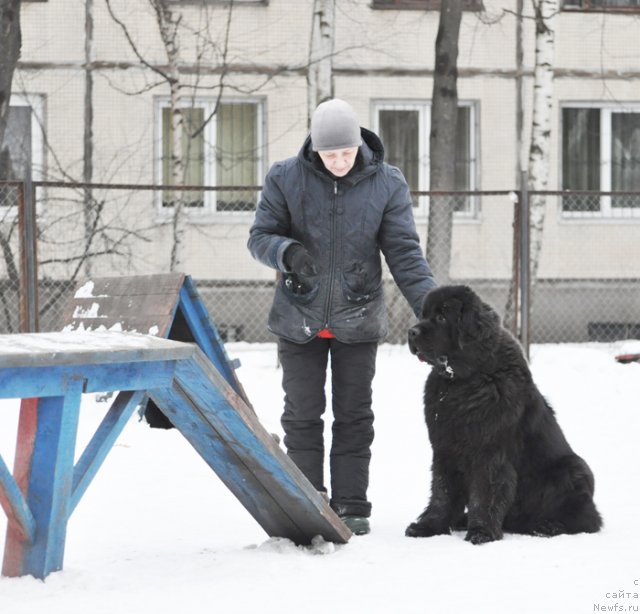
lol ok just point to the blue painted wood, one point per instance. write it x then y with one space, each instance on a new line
102 441
51 479
203 404
46 381
189 420
15 506
206 334
272 487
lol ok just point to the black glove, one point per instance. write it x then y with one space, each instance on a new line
298 260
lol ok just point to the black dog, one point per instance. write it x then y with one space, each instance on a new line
498 451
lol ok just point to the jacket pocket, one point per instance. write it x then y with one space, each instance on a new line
299 290
355 294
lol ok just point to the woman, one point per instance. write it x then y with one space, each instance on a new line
323 220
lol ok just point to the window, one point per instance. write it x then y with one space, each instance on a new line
428 5
23 139
601 152
224 151
602 5
404 130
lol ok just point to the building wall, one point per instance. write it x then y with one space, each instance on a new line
380 55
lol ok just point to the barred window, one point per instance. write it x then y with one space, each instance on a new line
223 149
601 152
424 5
404 130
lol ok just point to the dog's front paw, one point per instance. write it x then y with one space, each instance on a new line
549 528
478 536
417 529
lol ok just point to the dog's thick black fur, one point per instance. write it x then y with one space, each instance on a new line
498 451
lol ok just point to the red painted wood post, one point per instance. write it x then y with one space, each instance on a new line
44 472
27 426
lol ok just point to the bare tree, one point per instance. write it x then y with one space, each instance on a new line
10 43
442 140
169 25
540 146
321 49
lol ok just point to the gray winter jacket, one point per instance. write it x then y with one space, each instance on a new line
344 223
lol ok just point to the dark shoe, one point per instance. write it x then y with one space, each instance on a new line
358 525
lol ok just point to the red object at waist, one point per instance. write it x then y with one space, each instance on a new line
325 333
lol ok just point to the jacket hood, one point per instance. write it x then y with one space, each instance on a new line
371 152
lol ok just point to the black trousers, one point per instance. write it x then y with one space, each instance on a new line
304 370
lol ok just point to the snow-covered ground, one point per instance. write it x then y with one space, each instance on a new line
157 531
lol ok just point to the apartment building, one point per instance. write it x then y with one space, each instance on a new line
91 100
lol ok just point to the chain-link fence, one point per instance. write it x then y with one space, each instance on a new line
585 276
11 267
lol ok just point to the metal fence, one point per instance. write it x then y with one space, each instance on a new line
584 286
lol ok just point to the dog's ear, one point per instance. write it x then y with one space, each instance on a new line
423 306
469 327
477 319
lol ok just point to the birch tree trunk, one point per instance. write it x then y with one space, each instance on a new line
87 170
540 147
442 140
321 48
10 42
168 23
510 319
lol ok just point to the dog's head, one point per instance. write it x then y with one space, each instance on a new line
454 320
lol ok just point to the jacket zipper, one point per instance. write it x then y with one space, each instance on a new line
332 258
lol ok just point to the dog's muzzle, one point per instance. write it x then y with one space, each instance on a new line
412 335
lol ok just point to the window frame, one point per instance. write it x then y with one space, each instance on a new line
209 208
587 7
606 212
37 104
236 3
421 210
422 5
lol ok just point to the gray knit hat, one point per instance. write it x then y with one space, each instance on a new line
335 125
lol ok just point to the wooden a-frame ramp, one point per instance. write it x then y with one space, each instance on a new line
193 384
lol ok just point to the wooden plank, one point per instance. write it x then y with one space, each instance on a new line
132 304
241 429
102 441
270 473
122 300
156 326
216 453
150 308
42 349
206 335
161 283
48 380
